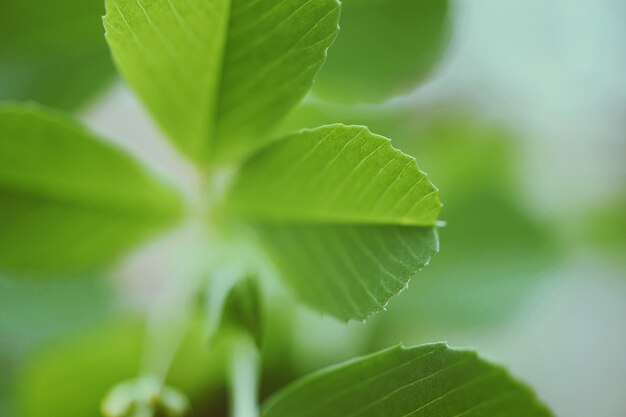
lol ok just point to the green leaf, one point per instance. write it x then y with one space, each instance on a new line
384 48
343 215
349 271
218 74
335 174
68 200
496 250
430 380
52 52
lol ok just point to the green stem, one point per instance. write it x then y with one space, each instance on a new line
169 318
162 340
243 378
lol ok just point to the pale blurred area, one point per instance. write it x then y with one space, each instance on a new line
555 73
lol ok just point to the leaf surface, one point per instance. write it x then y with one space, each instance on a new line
429 381
218 74
68 200
335 174
346 218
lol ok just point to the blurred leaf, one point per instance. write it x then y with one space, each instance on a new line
486 269
339 210
384 48
429 380
34 311
68 200
52 52
71 378
392 121
217 75
604 229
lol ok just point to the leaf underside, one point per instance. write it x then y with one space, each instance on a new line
348 271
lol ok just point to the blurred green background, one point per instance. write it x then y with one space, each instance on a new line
516 109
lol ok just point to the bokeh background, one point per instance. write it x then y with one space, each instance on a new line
517 110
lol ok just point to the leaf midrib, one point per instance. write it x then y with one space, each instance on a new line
332 218
211 130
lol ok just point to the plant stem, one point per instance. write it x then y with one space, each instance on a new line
162 341
169 316
243 378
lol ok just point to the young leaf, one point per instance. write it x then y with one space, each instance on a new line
425 381
218 74
345 216
384 48
68 200
243 311
52 52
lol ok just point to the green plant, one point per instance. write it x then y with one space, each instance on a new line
338 214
